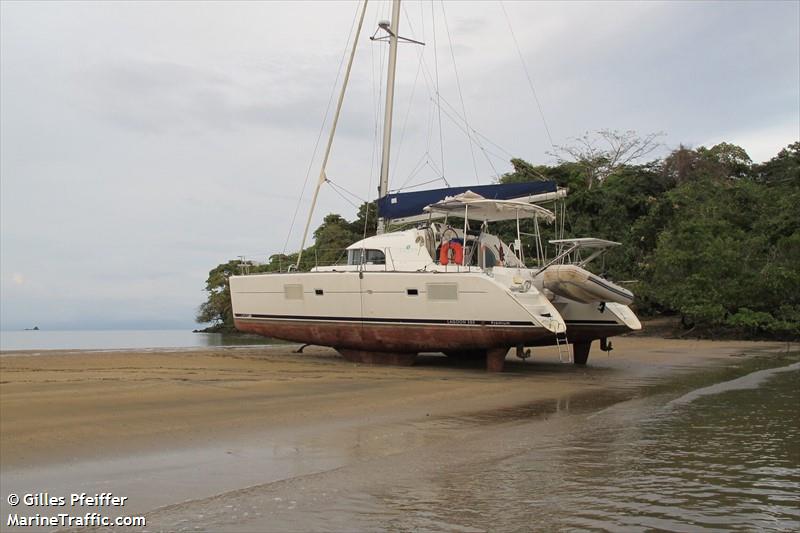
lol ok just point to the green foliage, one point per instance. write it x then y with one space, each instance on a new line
217 307
729 256
729 158
783 168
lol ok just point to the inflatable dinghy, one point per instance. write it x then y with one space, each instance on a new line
576 283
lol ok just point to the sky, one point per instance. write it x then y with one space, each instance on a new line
142 144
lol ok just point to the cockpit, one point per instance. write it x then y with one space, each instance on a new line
447 246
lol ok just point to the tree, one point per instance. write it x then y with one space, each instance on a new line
217 308
784 167
331 238
680 164
721 162
732 158
366 223
728 257
604 152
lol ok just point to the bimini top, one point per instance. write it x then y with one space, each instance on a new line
399 205
476 207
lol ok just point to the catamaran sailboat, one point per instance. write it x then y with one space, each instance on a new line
440 287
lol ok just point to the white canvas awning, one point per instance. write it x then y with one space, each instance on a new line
476 207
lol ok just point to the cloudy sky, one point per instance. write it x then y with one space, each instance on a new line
141 144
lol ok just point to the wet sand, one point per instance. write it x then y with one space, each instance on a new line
165 426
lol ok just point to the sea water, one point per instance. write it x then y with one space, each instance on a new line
705 452
727 459
118 339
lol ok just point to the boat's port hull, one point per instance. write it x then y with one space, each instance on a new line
587 322
397 337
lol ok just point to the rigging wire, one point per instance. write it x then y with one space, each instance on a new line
418 166
321 129
375 98
468 130
342 196
341 188
454 111
422 67
460 94
434 180
488 140
454 115
528 75
424 161
458 122
377 94
436 68
429 122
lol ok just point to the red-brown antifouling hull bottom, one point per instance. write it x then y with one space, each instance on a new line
398 344
395 338
378 358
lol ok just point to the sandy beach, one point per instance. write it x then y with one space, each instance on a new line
215 420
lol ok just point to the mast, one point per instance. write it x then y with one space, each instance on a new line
387 120
322 177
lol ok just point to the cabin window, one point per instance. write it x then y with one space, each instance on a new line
368 257
319 292
442 291
293 292
412 292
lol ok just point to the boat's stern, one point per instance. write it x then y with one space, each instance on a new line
519 286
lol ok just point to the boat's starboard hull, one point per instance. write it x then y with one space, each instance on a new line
403 312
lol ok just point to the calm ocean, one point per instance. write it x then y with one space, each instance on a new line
118 339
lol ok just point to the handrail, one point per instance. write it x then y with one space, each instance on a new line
556 259
390 256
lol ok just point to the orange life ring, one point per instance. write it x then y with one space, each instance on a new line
458 253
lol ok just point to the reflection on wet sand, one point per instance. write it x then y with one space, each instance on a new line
261 440
728 461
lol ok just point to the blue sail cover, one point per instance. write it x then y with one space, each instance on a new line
406 204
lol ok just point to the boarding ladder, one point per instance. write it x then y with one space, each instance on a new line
564 351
